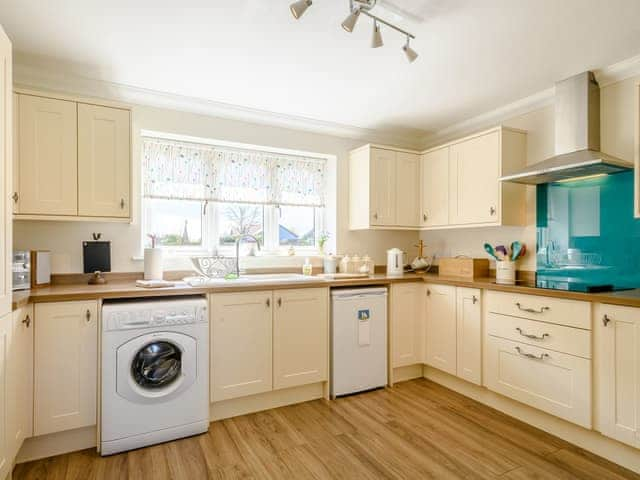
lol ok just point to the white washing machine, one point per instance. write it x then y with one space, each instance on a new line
155 375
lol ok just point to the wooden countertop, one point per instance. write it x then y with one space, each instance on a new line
78 292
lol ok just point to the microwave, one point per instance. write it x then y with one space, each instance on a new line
31 269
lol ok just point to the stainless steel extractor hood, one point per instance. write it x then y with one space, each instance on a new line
577 142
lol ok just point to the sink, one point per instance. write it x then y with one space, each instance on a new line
251 279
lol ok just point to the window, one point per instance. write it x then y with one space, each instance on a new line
201 197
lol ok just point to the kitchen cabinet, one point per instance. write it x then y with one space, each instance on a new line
617 340
20 379
476 196
384 188
300 337
65 366
6 145
434 188
469 334
407 305
103 161
47 166
72 159
441 330
241 344
5 394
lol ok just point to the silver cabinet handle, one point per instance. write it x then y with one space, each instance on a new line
531 310
542 356
428 293
27 321
492 210
474 299
268 302
279 302
532 336
606 320
375 216
88 315
15 197
425 217
122 203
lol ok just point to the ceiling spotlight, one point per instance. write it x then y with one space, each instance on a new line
350 22
376 42
409 52
298 8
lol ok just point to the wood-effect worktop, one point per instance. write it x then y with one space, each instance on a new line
75 292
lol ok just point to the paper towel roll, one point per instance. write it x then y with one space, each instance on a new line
153 264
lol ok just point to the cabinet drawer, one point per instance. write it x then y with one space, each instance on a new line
572 341
556 383
547 309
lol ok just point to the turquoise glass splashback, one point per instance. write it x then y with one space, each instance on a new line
586 232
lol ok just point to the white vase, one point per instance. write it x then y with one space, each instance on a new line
153 264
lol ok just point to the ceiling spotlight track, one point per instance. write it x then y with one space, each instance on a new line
357 8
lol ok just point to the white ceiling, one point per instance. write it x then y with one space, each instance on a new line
475 55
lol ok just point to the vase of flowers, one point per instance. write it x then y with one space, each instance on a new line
322 241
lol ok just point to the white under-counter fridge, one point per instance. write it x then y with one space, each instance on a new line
358 340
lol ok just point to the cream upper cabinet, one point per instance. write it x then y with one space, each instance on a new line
441 331
476 196
20 379
617 366
47 162
72 160
434 188
65 366
407 323
407 189
103 161
241 345
300 337
384 188
6 179
469 334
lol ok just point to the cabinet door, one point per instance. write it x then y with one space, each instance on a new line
434 185
6 164
241 355
407 189
407 323
300 337
469 327
103 161
617 331
65 366
474 184
382 188
440 331
47 156
5 442
20 379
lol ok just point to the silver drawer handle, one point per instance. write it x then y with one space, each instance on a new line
605 320
532 310
542 356
532 336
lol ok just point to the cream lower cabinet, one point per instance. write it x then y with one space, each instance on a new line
469 334
20 379
617 342
268 340
65 366
241 344
300 337
441 331
407 304
5 441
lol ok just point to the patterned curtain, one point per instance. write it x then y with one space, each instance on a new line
187 171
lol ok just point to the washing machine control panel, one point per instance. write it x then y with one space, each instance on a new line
149 315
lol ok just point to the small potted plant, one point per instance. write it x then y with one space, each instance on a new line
322 241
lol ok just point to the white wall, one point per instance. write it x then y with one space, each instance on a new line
64 239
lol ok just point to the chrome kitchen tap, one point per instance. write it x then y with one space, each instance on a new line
239 239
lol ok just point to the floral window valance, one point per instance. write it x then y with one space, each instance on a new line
188 171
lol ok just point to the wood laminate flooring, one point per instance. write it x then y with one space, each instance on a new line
416 430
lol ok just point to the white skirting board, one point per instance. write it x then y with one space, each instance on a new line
590 440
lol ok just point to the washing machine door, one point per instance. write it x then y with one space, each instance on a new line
156 366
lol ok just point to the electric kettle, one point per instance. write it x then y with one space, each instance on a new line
395 262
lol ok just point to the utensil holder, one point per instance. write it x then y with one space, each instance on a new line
506 272
153 264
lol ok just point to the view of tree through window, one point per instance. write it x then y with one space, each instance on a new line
236 219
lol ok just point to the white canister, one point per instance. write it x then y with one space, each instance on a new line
153 264
330 264
395 262
506 272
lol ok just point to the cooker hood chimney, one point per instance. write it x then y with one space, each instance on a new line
577 142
